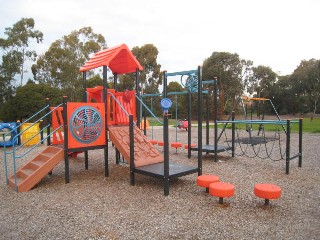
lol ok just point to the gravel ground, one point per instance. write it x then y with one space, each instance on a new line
96 207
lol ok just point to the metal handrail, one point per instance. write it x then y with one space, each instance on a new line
28 151
149 110
15 148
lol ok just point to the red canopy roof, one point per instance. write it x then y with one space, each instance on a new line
119 59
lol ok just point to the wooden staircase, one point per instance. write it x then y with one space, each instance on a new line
36 169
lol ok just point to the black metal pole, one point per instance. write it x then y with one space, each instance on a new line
288 146
84 94
18 132
166 142
189 125
207 118
199 121
300 142
131 136
215 120
144 121
65 130
106 102
41 130
166 155
115 81
138 89
48 120
233 133
85 99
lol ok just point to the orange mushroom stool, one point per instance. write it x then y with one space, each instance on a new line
153 142
206 180
161 143
221 190
186 146
267 191
176 145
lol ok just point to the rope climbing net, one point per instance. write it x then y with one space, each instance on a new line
253 139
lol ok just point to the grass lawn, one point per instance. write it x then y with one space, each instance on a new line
308 125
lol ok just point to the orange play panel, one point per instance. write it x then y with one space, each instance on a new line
221 190
160 143
206 180
267 191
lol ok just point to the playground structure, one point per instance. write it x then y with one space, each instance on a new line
264 145
85 126
80 127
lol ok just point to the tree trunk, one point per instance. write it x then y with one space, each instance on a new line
314 109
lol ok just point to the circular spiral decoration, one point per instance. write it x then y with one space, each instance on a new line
86 124
191 83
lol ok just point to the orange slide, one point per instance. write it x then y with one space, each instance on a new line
144 152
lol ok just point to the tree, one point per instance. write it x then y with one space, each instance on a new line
306 82
60 65
231 72
29 99
150 76
261 81
182 110
15 51
16 47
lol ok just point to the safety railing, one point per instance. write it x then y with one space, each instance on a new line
42 114
149 110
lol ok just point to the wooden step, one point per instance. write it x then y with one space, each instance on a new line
41 159
36 169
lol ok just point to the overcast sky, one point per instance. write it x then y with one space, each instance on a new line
274 33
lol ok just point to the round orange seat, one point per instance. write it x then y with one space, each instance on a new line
160 143
186 146
176 145
267 191
206 180
153 142
221 190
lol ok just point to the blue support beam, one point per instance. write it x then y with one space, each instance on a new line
181 73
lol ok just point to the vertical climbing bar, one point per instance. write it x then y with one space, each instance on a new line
233 133
138 89
166 142
199 121
189 124
85 99
288 146
48 121
144 121
84 82
115 81
215 120
131 136
105 149
166 155
65 130
300 142
207 118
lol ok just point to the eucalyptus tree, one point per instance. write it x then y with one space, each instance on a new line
150 77
306 83
231 72
15 52
261 81
60 65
